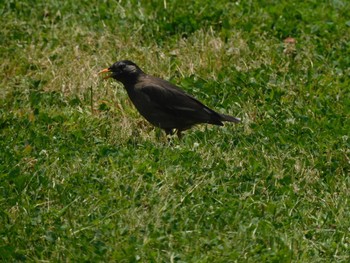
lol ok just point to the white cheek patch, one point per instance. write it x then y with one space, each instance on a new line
131 68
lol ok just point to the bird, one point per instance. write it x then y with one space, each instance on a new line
162 103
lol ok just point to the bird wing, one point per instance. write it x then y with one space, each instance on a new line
169 98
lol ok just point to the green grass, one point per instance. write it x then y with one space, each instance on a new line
83 178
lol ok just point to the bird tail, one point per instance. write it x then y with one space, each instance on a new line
229 118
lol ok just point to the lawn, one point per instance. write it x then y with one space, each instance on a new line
84 178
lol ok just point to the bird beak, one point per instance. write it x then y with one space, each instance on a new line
105 71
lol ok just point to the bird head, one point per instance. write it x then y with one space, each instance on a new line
123 70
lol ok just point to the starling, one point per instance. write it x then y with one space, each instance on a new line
162 103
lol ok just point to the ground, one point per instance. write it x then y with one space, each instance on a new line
84 178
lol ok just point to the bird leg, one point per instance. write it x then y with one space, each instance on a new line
172 131
179 134
169 132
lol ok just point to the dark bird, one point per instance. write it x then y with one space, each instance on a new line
163 104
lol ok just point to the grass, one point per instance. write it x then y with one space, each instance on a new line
84 178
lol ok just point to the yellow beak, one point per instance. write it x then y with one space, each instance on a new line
105 71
